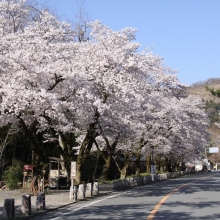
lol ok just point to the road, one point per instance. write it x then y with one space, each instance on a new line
191 197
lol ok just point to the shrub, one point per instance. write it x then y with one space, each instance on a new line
13 175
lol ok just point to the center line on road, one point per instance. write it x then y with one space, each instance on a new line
153 212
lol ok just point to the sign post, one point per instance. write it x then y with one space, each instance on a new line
73 176
28 175
153 169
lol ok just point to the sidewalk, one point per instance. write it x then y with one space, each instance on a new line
53 199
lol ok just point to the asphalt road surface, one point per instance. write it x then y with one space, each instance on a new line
190 197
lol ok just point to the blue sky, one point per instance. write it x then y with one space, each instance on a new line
186 33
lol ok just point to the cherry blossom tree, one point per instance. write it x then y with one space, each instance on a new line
101 91
15 15
126 82
32 67
179 128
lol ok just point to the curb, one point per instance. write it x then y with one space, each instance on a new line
38 213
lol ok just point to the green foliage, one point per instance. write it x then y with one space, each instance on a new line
141 174
105 181
47 191
213 109
213 91
13 175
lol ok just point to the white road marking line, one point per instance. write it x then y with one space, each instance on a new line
85 206
130 190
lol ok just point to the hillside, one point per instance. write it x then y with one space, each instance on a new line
199 89
212 106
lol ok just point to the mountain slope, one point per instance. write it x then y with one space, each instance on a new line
212 106
199 89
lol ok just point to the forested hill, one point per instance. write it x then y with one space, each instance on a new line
199 89
212 107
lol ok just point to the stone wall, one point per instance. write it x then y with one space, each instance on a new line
143 180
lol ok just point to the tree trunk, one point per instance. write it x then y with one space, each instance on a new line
79 163
168 165
96 165
86 147
162 164
148 163
106 168
123 173
78 174
138 161
108 157
158 159
83 154
30 133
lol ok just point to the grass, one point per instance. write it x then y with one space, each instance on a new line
105 181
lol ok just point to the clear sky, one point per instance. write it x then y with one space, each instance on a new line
186 33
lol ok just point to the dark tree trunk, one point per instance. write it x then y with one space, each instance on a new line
106 168
138 161
148 163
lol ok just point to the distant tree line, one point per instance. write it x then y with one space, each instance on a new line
207 82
